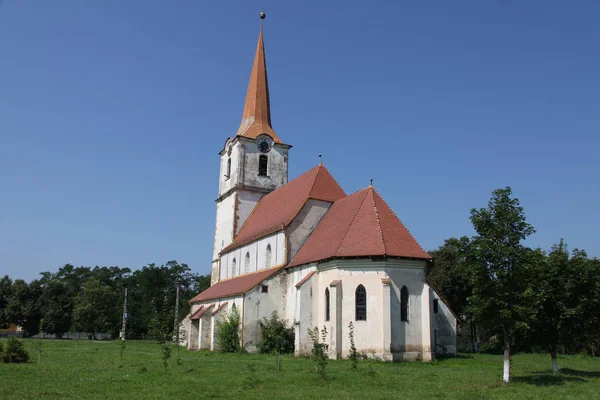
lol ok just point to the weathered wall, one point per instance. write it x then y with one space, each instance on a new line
304 223
277 169
257 252
443 332
258 305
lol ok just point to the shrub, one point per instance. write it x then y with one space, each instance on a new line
14 351
228 332
276 337
353 353
319 350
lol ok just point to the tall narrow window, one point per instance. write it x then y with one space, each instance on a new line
326 304
361 303
233 268
268 256
228 168
263 162
247 263
436 306
404 304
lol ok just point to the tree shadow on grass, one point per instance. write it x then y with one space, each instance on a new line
583 374
547 379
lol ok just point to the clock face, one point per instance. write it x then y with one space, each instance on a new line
264 143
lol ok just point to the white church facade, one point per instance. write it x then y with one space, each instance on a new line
312 253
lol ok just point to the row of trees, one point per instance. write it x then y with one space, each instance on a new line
517 297
90 300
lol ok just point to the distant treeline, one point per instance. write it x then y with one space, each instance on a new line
91 299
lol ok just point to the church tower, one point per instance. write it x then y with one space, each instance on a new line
253 163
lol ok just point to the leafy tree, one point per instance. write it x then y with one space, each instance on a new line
498 267
228 332
22 307
276 337
94 306
56 307
448 272
553 284
5 293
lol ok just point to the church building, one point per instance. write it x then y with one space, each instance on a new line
313 253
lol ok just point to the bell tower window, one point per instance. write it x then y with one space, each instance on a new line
263 162
228 173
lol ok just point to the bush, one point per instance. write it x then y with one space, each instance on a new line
14 351
228 332
319 350
276 337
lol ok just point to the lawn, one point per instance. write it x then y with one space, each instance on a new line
88 369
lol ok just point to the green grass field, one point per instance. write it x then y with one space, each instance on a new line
86 369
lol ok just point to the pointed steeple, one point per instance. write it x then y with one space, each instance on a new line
256 118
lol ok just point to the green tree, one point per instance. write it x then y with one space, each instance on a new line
498 267
276 337
5 293
94 306
56 307
23 307
228 332
448 272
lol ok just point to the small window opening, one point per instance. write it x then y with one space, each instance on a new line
233 268
228 174
264 289
263 162
404 304
268 256
247 263
361 303
435 306
327 304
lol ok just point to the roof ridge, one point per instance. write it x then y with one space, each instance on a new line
314 180
401 223
351 222
378 220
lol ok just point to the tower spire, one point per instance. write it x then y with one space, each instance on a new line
256 118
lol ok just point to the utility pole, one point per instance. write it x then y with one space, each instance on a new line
124 316
176 327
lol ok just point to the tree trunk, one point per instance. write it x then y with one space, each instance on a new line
506 376
278 361
554 365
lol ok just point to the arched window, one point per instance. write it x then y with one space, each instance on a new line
263 162
228 168
360 297
247 263
268 256
404 304
326 304
232 268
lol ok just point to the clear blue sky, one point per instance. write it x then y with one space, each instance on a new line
112 114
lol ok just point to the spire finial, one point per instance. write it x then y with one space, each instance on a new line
371 182
262 18
320 159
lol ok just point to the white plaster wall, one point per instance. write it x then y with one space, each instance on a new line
257 251
246 201
444 322
277 167
258 305
223 230
304 223
227 183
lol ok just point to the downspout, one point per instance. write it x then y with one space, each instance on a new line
243 308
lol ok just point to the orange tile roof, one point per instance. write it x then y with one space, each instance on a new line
277 209
256 118
235 286
222 306
201 311
307 277
359 225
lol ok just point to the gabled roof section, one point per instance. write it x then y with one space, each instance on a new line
360 225
256 118
276 210
235 286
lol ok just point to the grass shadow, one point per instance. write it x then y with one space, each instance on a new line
547 379
584 374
